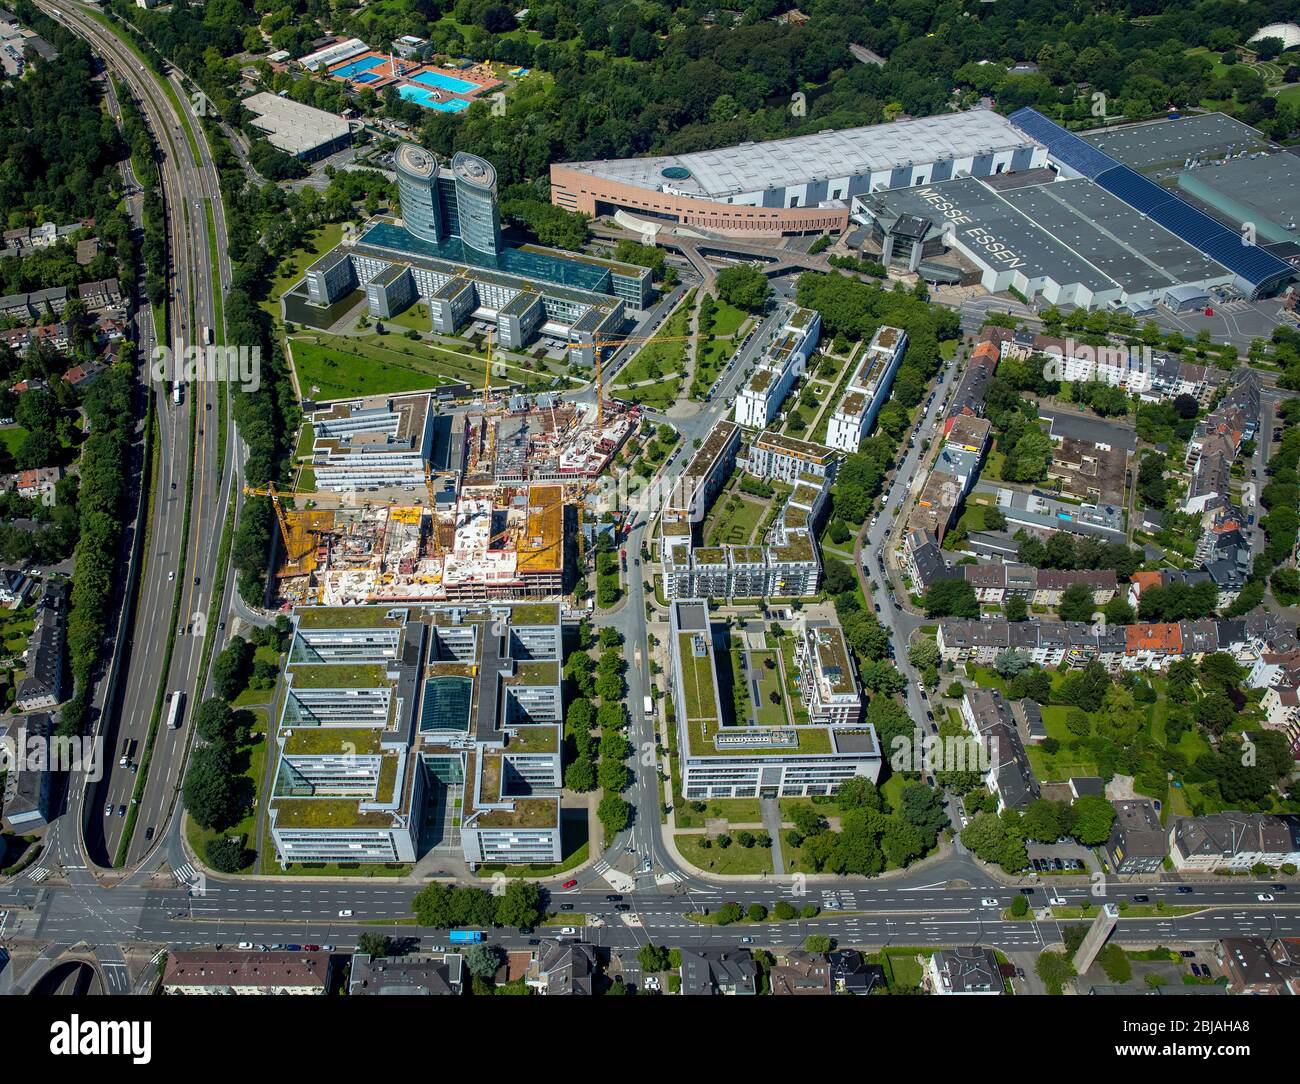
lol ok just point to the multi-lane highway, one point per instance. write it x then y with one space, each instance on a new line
186 516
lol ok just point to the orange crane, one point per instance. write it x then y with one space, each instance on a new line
297 544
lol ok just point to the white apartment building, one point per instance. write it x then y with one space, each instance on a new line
783 361
743 761
867 390
827 680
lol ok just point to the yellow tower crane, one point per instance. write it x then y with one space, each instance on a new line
618 342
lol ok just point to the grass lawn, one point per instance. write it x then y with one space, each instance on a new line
729 861
15 629
252 758
306 439
733 520
769 714
327 373
1289 96
732 810
792 694
250 697
12 436
415 316
659 360
292 270
902 968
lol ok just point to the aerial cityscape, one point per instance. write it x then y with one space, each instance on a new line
653 499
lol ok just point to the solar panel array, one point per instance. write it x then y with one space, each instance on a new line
1159 204
1065 146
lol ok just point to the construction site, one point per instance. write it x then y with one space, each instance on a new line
492 520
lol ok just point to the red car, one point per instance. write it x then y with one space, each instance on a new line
569 884
311 948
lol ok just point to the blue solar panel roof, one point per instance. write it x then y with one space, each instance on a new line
1177 216
1195 227
1065 146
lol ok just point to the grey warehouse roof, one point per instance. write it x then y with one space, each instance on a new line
291 126
1169 143
1067 230
779 163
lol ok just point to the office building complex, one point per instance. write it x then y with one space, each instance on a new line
447 250
391 712
366 444
750 761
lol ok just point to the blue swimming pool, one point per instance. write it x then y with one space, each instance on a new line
365 77
358 66
424 97
444 82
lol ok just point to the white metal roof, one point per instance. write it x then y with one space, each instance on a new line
291 126
779 163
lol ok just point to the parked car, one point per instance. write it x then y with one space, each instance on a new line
246 945
1187 954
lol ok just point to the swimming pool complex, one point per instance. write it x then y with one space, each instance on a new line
445 82
365 64
424 97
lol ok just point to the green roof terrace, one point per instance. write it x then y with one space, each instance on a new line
320 741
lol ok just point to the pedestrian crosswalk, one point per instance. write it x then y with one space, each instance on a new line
38 873
186 874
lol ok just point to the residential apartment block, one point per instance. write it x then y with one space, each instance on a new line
1009 777
1127 647
202 971
784 359
751 761
786 564
1234 841
867 390
1137 842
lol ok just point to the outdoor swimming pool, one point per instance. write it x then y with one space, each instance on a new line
348 71
444 82
424 97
